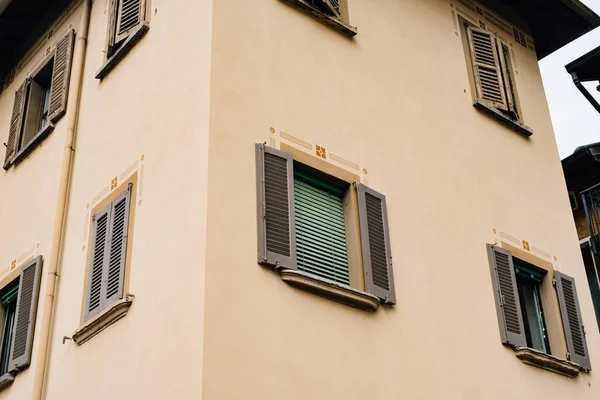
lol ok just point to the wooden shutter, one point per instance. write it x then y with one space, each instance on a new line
486 67
375 238
572 322
115 267
508 306
506 68
130 13
61 73
334 6
93 304
16 123
275 206
27 301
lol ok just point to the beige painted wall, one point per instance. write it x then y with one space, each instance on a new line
29 192
395 101
149 117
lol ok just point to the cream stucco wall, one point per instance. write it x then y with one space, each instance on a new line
29 191
395 101
180 115
149 118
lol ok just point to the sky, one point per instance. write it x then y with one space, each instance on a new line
574 119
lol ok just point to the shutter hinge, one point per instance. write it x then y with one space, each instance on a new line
554 282
501 300
568 356
93 217
264 210
583 329
130 186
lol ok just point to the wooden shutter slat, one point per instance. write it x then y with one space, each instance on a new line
375 239
130 13
275 207
95 286
486 67
572 321
27 301
506 295
61 74
115 268
16 123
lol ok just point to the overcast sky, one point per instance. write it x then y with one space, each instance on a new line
575 121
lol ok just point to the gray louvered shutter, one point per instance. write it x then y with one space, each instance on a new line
486 67
61 74
572 321
16 123
117 247
112 27
375 239
275 206
506 295
130 13
27 302
93 303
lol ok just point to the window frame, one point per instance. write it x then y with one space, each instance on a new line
531 275
118 46
513 116
13 285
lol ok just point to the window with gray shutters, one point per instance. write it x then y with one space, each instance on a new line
301 224
108 255
40 102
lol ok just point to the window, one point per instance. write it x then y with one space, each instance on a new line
8 299
107 262
519 305
40 101
493 78
127 24
19 306
529 279
310 222
331 12
320 227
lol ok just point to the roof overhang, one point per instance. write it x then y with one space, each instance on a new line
553 23
587 67
22 22
584 160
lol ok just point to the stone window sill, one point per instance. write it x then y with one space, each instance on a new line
335 23
341 294
511 123
547 362
6 380
28 148
112 61
106 318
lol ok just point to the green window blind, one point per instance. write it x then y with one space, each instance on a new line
320 229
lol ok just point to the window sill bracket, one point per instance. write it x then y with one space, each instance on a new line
547 362
122 51
112 314
510 123
341 294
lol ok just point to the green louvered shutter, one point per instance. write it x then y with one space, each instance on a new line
320 229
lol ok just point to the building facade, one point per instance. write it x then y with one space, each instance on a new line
204 199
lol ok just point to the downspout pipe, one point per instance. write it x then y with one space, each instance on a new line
61 204
585 92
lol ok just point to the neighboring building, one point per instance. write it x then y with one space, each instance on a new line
582 174
158 152
587 69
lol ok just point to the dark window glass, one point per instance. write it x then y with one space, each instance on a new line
529 280
8 299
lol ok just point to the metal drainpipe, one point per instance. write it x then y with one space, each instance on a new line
63 191
584 91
